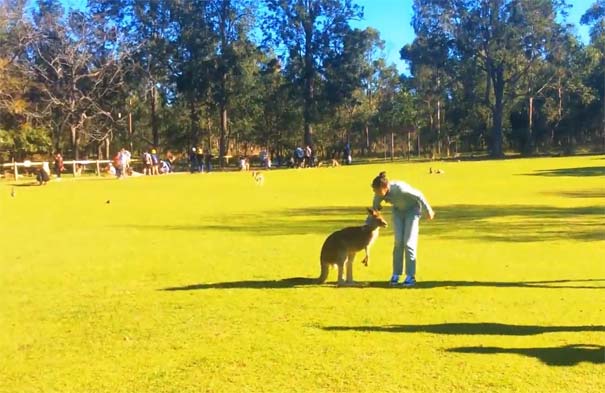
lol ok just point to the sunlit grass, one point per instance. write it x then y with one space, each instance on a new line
195 283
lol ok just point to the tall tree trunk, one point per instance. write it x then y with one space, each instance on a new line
309 85
75 137
439 128
529 144
497 74
431 124
222 147
603 53
559 112
194 136
209 132
154 118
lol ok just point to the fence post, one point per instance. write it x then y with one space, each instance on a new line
74 167
98 169
16 171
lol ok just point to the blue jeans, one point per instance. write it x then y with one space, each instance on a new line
405 229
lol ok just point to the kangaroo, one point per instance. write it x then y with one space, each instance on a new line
258 178
341 246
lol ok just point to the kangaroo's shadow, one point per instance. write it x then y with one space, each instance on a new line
568 355
470 328
249 284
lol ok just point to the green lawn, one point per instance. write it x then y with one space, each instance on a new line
196 283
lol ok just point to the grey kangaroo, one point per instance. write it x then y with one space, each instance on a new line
341 246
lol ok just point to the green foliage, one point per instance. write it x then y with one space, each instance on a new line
235 75
25 141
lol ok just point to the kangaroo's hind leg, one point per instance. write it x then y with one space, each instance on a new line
349 266
350 259
340 262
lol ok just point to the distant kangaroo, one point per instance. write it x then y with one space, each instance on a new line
341 246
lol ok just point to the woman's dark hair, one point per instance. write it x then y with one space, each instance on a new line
380 181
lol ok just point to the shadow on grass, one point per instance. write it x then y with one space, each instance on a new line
596 193
304 281
517 223
582 171
249 284
552 284
488 329
509 223
30 184
568 355
322 220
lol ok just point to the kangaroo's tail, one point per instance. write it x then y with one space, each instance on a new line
323 276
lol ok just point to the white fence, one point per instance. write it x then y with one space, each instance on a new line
74 165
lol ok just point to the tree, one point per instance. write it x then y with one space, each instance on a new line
507 37
595 16
232 21
193 58
310 31
428 56
16 111
147 25
75 80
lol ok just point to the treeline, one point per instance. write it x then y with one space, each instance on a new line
233 75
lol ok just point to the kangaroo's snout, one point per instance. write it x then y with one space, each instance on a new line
375 217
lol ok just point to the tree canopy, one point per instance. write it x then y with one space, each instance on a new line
234 76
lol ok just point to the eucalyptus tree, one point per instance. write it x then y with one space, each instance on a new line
595 18
17 114
193 62
506 37
567 95
232 22
149 27
428 58
280 113
305 34
346 74
76 77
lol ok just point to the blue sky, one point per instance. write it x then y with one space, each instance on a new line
392 19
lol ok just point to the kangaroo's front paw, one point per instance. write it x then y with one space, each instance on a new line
365 261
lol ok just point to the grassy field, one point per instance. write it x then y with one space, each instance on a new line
200 283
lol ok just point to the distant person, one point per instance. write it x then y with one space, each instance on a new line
155 163
125 161
307 156
299 156
347 154
170 160
407 205
244 164
117 164
200 159
165 167
193 163
43 175
58 164
147 163
208 161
